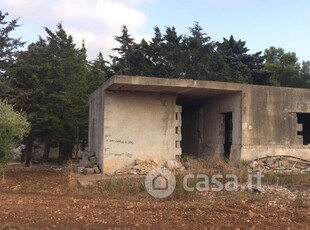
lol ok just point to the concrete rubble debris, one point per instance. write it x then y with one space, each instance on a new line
80 169
142 167
88 171
280 164
97 169
173 165
88 164
93 160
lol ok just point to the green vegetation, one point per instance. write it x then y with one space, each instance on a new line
51 79
196 56
13 126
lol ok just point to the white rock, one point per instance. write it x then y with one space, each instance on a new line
138 161
172 164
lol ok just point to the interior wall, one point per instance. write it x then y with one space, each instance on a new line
140 125
213 136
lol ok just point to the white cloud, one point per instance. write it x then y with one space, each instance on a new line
96 21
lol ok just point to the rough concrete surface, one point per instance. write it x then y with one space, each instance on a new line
157 118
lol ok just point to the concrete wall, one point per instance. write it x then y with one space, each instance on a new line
96 118
269 123
138 125
213 137
126 123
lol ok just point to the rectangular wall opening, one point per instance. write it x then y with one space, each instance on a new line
228 133
192 128
211 126
304 131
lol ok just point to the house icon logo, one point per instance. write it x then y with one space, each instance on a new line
160 182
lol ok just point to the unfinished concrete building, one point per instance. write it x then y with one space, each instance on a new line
157 118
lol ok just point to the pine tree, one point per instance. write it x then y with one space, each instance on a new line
199 53
243 67
122 64
50 84
8 50
98 72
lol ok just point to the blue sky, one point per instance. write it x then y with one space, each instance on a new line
261 23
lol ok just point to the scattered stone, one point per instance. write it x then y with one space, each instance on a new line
182 168
138 161
283 164
88 171
17 187
80 169
155 161
140 167
186 165
253 164
173 165
280 191
270 161
93 160
97 169
251 214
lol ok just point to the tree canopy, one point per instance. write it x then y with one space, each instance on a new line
8 49
51 79
50 83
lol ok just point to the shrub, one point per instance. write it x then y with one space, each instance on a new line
13 126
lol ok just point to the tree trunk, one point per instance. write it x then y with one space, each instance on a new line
77 142
61 152
3 175
68 150
28 152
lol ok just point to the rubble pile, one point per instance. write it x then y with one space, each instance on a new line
88 164
280 164
142 167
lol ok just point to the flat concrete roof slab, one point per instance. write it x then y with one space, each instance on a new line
185 88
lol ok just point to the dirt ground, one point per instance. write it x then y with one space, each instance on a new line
40 198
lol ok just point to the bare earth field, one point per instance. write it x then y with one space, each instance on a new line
40 198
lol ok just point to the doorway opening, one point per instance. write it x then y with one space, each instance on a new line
228 131
192 128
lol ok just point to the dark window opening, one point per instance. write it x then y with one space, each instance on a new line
304 120
176 130
228 127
